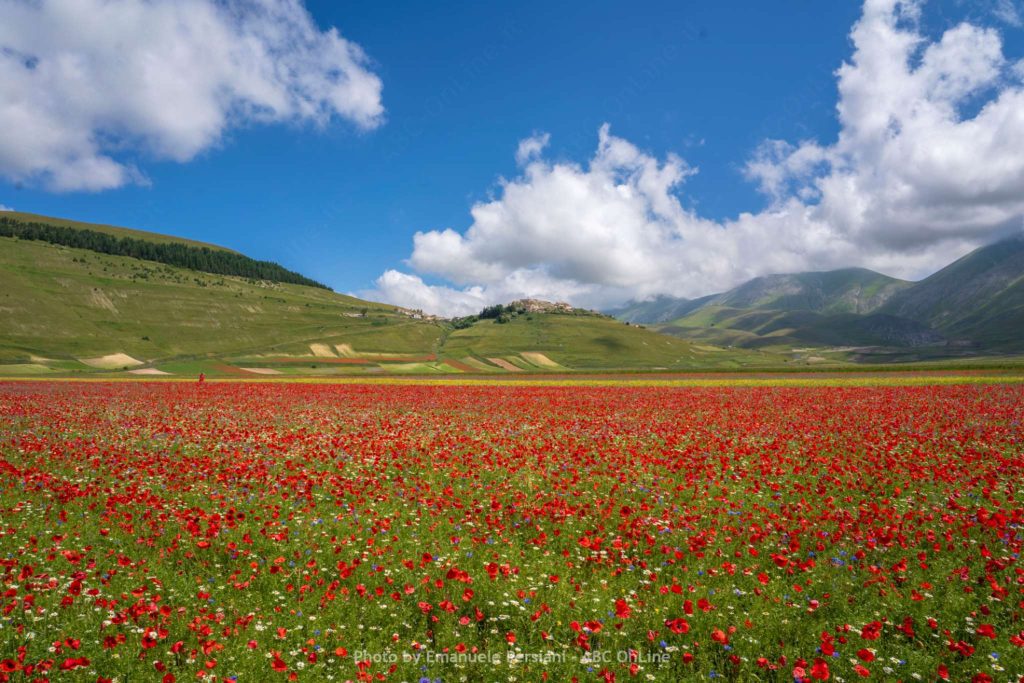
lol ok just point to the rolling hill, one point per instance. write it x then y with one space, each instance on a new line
586 340
67 309
73 303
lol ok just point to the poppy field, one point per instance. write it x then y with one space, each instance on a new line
325 532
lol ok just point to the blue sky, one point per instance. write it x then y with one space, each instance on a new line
464 84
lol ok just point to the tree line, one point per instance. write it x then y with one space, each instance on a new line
178 254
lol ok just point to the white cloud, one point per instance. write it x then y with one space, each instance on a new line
929 162
781 169
531 147
5 208
1009 12
84 84
411 291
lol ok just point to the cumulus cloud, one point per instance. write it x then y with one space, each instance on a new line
531 147
928 163
5 208
85 84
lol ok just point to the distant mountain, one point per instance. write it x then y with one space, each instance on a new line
978 297
772 329
973 305
661 309
850 290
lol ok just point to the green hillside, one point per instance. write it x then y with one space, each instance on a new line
180 254
591 342
73 303
66 310
996 323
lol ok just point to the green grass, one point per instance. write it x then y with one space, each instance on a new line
21 369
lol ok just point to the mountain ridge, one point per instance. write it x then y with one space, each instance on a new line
977 296
27 217
974 304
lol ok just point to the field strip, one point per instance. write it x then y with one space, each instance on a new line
881 381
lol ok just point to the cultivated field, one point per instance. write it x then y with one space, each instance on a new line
170 531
